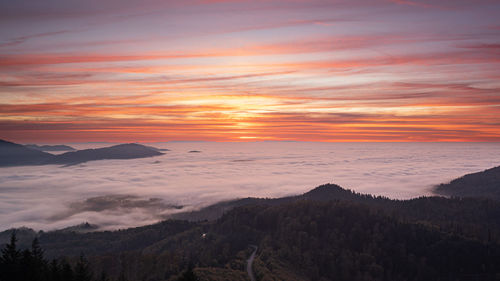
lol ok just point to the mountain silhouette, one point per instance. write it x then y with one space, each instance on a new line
57 147
121 151
12 154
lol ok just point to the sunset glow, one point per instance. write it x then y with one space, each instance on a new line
362 70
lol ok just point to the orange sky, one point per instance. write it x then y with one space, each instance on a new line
123 71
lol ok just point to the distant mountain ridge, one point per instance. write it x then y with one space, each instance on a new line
121 151
12 154
485 184
57 147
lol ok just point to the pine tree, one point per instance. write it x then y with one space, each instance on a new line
38 264
67 272
122 276
82 270
26 267
37 251
10 260
104 277
55 271
189 274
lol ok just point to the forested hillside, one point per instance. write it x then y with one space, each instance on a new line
485 184
326 234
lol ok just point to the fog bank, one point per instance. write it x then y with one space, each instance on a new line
124 193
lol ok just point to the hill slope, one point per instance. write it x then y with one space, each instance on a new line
327 233
484 184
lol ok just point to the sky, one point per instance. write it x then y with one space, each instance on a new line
238 70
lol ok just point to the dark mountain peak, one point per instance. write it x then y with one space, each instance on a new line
125 147
80 228
329 187
328 192
128 145
322 193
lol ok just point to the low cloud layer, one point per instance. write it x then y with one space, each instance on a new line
125 193
117 203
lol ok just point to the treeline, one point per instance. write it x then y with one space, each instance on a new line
347 241
326 234
316 240
483 184
31 265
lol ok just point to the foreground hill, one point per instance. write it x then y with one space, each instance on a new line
478 215
328 233
485 184
12 154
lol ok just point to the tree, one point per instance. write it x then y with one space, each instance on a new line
189 274
37 251
38 267
10 260
26 267
55 271
82 270
67 272
122 276
104 277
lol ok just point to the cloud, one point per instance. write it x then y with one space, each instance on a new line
296 46
22 39
232 69
126 193
412 3
115 203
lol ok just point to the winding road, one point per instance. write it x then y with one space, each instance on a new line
250 262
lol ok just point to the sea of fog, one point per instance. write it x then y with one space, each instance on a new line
124 193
